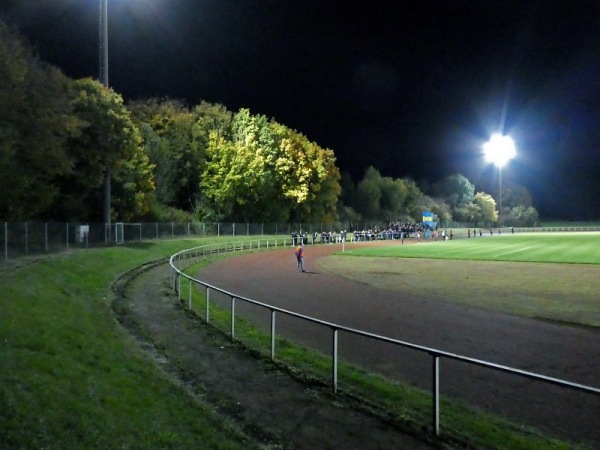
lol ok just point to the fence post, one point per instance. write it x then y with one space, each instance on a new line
272 334
436 394
334 368
207 302
6 241
232 318
190 296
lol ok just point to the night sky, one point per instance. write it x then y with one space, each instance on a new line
413 88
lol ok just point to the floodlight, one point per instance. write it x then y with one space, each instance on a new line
499 150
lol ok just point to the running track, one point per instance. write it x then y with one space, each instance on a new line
571 353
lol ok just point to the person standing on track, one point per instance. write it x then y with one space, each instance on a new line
300 258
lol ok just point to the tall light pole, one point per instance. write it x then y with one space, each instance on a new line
499 150
103 69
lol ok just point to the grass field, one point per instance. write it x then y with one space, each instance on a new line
551 276
577 248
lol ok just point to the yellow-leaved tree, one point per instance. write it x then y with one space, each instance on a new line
268 172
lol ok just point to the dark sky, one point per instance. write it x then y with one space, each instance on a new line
413 88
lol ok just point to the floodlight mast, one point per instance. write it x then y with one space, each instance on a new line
103 63
499 150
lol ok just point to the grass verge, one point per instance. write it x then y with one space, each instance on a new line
71 377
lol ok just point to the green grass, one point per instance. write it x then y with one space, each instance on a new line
576 248
71 377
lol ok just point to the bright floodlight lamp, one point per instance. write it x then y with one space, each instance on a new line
499 150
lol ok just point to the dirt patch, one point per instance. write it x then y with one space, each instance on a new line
274 408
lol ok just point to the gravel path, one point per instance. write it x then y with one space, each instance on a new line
272 407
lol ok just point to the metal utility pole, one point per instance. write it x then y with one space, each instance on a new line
103 75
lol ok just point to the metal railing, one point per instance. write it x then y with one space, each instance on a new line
186 258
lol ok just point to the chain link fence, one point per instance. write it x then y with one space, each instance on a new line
19 239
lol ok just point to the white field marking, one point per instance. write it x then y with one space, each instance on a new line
518 250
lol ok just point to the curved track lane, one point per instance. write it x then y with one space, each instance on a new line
570 353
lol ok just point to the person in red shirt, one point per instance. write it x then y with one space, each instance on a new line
300 258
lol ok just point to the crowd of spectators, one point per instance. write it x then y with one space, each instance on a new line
325 237
394 230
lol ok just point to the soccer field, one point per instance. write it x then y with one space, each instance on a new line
577 248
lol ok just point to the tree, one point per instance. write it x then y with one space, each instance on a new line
521 216
239 175
368 195
411 204
487 208
36 120
108 139
456 190
176 140
516 195
386 198
268 172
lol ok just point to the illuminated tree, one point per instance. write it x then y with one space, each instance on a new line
268 172
487 208
108 138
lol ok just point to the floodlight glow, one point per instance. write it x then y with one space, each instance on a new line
499 150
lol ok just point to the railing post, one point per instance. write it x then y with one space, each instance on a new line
6 241
190 295
232 318
207 301
178 287
436 394
272 334
334 362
